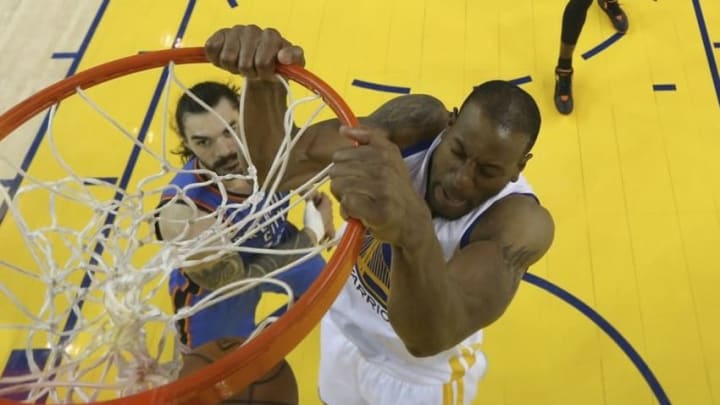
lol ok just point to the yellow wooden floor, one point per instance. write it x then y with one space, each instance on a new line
624 308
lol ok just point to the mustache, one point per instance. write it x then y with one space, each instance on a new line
225 161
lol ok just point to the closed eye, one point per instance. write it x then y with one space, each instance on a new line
489 171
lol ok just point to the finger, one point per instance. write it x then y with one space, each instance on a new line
365 153
351 184
366 135
291 55
319 198
343 214
311 196
360 207
250 40
214 46
365 172
330 230
228 56
267 53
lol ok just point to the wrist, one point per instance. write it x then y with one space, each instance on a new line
271 84
414 233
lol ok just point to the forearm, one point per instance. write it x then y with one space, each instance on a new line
265 106
422 302
231 268
313 152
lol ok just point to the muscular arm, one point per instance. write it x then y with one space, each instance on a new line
231 268
265 106
406 119
176 222
434 305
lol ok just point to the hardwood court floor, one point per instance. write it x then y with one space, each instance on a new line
624 308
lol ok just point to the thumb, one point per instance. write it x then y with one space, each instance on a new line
360 135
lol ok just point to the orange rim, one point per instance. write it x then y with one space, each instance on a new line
251 361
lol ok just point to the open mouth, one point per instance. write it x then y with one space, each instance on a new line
442 195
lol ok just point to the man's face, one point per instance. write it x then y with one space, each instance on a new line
212 143
474 161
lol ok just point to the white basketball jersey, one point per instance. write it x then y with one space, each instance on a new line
360 310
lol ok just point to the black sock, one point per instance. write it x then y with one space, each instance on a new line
564 64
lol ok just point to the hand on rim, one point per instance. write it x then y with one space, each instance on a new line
251 51
372 184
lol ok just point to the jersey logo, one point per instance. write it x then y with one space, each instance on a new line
373 269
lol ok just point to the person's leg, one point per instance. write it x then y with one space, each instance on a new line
617 16
572 23
377 386
339 363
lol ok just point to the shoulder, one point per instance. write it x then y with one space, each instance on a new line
517 220
411 119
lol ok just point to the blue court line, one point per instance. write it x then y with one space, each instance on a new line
64 55
232 3
708 47
127 173
18 364
606 327
602 46
381 87
664 87
40 134
521 80
6 182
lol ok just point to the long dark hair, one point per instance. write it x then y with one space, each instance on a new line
210 93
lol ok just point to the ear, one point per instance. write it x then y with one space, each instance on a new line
521 166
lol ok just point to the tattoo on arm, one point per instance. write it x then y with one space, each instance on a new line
231 268
411 112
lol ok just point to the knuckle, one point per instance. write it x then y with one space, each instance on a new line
250 28
271 33
265 64
336 189
227 59
216 40
244 66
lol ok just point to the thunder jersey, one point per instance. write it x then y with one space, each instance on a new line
234 208
360 311
234 316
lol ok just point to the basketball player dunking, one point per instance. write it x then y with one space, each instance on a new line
452 227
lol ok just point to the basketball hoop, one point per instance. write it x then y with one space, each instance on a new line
227 376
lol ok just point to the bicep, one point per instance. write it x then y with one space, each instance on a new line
487 271
407 119
484 282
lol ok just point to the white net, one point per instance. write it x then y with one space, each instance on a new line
83 276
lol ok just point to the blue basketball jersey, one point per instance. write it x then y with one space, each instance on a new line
234 316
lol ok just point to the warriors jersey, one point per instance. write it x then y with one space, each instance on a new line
360 311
